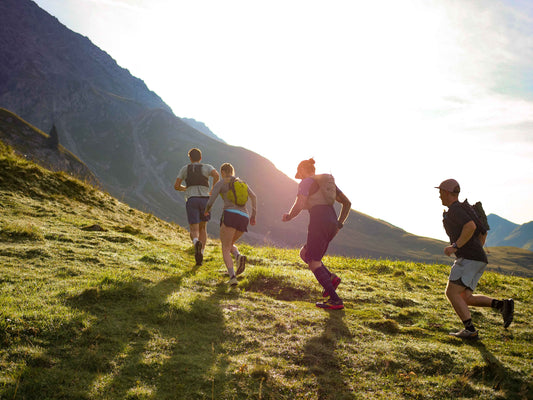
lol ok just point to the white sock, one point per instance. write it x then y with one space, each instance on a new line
194 240
235 252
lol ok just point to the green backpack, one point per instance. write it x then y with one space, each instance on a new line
238 192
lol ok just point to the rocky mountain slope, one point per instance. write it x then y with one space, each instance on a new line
135 145
37 146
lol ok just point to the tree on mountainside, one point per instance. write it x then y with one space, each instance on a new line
53 139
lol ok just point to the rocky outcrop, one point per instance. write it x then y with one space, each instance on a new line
39 147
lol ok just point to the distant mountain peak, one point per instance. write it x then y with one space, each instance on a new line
201 127
506 233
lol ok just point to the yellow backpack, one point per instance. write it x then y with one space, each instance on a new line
238 192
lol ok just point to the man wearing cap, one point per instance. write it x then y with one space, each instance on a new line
466 244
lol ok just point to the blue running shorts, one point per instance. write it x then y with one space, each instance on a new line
195 207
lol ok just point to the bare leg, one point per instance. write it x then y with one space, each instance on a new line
476 300
313 265
455 294
236 237
227 235
202 234
194 231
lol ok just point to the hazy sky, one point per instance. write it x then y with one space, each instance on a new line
392 97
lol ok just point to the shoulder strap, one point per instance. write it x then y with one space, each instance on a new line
232 187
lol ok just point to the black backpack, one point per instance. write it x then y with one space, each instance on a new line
195 176
477 213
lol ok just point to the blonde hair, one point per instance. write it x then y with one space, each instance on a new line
227 168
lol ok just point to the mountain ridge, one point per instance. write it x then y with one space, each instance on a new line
135 145
506 233
201 127
25 25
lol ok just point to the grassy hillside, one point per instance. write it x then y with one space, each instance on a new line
123 313
511 260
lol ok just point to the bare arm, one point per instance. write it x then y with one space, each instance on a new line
346 207
253 197
466 234
214 193
216 177
178 186
297 207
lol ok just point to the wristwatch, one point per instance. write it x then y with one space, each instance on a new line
454 245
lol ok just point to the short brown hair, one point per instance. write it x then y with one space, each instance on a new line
195 154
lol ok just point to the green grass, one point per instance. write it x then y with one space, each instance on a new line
124 313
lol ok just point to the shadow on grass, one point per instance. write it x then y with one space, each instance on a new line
492 374
278 289
498 376
131 342
321 361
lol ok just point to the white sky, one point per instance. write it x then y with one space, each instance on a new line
390 96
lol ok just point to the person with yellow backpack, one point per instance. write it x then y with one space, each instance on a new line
235 217
318 193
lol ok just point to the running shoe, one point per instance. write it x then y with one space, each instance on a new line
507 312
464 334
233 281
199 257
331 305
335 281
241 264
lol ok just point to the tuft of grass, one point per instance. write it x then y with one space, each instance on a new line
153 259
20 231
385 326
